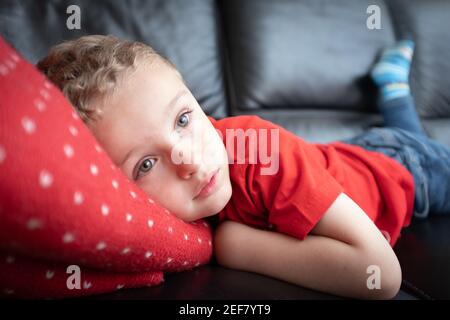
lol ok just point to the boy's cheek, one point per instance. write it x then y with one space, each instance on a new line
215 152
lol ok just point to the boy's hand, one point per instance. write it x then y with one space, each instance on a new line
334 258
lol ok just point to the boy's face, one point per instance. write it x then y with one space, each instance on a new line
155 131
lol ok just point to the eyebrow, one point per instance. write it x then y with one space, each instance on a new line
169 106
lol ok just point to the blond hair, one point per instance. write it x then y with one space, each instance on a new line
91 66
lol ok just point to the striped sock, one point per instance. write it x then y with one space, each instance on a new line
391 72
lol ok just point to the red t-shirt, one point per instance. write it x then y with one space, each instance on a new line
292 197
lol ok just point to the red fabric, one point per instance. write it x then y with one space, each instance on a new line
309 179
63 202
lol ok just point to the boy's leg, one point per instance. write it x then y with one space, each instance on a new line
395 102
427 160
436 164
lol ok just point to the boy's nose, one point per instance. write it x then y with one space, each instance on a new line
187 170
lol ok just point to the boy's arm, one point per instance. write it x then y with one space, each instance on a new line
334 258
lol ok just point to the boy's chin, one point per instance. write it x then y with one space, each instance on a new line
225 197
214 209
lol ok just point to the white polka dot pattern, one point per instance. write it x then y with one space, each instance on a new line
68 237
75 116
28 125
87 285
73 131
94 169
98 148
101 245
34 223
68 150
45 179
105 209
78 198
40 105
44 93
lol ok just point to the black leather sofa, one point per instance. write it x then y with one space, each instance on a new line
299 63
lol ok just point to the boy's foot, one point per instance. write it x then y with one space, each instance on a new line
391 72
391 75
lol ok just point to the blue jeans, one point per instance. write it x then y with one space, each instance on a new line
427 160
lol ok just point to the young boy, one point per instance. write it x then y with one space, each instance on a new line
336 208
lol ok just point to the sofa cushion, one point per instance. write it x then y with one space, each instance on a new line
428 23
288 65
63 201
330 125
186 32
302 54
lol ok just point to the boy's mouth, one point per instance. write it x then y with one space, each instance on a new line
208 185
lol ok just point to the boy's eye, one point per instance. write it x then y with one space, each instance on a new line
183 120
145 167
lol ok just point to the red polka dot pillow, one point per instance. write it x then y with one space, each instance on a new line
70 222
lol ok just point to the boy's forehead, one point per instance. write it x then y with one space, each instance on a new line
153 85
141 109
